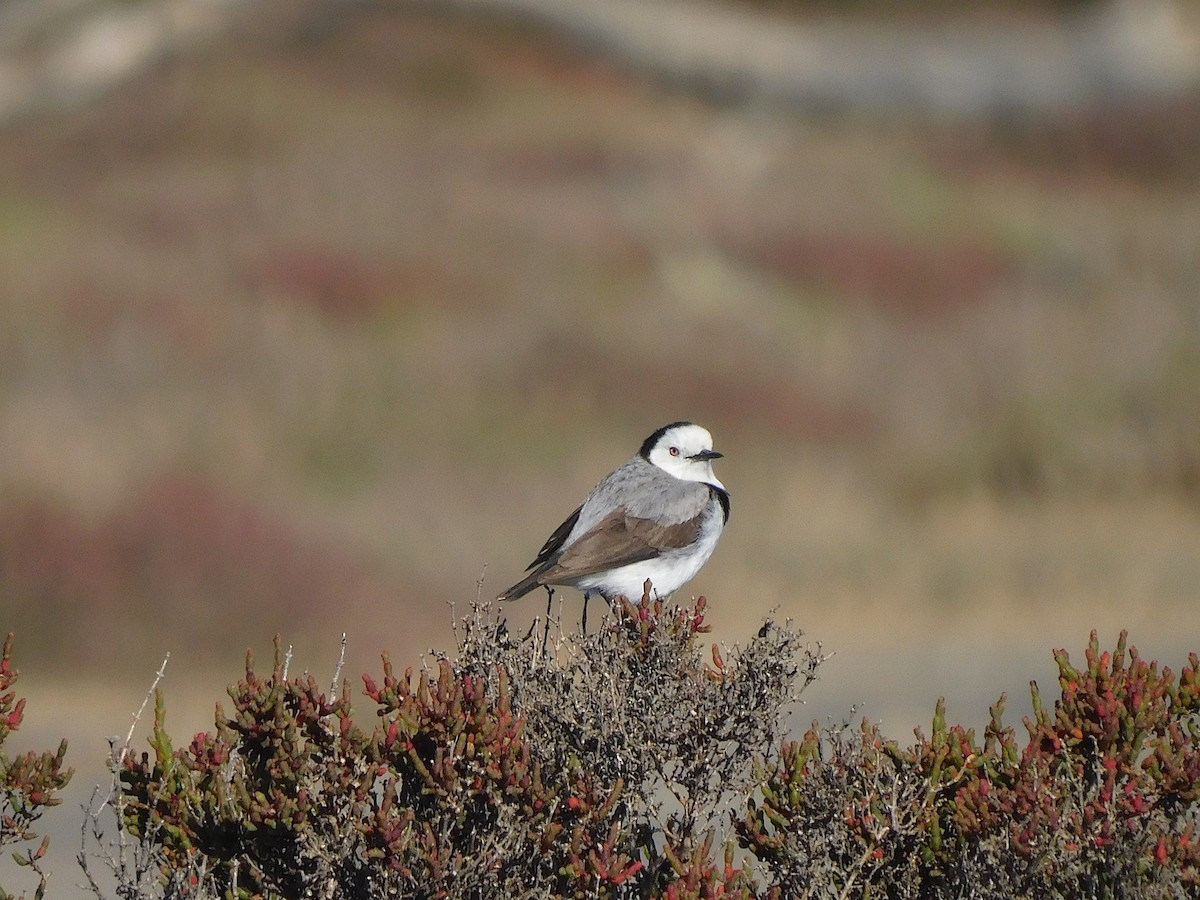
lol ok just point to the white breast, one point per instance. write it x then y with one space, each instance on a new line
667 572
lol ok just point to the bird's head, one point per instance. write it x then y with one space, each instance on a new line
684 450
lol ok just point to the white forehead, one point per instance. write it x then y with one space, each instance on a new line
688 435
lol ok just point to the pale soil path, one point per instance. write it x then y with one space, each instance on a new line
65 52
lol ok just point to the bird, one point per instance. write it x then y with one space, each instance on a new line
657 517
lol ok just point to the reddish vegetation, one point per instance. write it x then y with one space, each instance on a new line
1107 781
499 773
189 532
345 286
31 781
341 285
904 279
758 403
787 411
504 769
181 550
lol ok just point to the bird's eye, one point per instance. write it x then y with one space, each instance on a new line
674 451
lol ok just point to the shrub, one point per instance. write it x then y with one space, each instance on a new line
29 783
1102 801
632 763
608 765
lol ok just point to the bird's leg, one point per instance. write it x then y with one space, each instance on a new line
546 630
586 594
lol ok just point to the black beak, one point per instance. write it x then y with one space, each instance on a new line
706 454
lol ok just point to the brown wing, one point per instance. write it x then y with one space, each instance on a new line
619 540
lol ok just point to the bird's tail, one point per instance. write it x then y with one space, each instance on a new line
521 588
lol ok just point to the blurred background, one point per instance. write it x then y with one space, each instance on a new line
318 316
